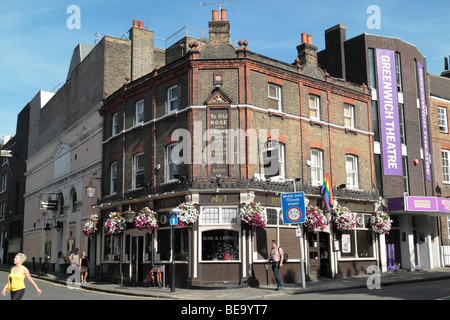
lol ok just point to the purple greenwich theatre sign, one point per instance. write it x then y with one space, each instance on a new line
423 111
389 117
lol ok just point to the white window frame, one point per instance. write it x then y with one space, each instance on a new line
4 182
2 210
220 220
442 116
349 115
352 173
171 101
317 166
171 165
113 178
281 156
445 156
115 124
277 96
136 170
315 106
139 114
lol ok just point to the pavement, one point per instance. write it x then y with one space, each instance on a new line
255 293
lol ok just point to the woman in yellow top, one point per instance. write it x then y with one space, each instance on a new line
16 279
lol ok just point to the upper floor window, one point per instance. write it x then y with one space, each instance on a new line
274 95
351 168
172 163
274 160
2 210
398 71
349 115
172 98
139 117
446 165
138 170
316 167
314 107
3 182
113 178
401 110
115 124
442 116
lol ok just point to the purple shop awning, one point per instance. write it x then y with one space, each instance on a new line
419 204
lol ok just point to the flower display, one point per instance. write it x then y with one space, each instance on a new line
253 214
315 219
146 220
90 228
381 222
343 218
187 214
115 224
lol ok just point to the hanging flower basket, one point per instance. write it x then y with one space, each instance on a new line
381 222
187 214
253 214
146 220
315 219
90 228
115 224
343 218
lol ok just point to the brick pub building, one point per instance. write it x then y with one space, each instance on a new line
402 128
306 122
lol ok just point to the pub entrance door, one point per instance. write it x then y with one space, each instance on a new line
319 254
137 256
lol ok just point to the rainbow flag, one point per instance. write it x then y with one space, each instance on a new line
327 192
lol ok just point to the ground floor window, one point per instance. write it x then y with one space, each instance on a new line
164 239
220 245
358 243
112 248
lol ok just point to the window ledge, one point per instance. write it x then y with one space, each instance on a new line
350 130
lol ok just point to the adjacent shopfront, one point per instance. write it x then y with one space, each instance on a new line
413 241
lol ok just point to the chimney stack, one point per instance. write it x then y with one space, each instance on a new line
446 72
219 30
307 52
142 50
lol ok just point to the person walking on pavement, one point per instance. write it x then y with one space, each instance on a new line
277 256
84 266
16 279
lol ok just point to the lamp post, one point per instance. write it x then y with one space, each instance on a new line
300 239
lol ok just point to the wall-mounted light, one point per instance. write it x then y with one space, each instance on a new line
90 188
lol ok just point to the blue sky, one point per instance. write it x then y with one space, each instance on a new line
36 45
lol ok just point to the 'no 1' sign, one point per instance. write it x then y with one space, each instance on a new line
294 209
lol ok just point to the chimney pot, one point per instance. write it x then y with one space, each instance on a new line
141 24
309 39
215 15
304 37
446 63
135 23
223 14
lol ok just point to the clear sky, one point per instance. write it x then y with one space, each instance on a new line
36 44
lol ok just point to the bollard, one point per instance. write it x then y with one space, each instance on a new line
40 265
34 264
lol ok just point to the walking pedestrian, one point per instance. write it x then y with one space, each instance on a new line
84 266
74 258
16 279
277 257
62 263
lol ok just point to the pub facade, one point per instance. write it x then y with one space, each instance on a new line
220 132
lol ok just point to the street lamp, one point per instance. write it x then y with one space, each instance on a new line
129 215
90 188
